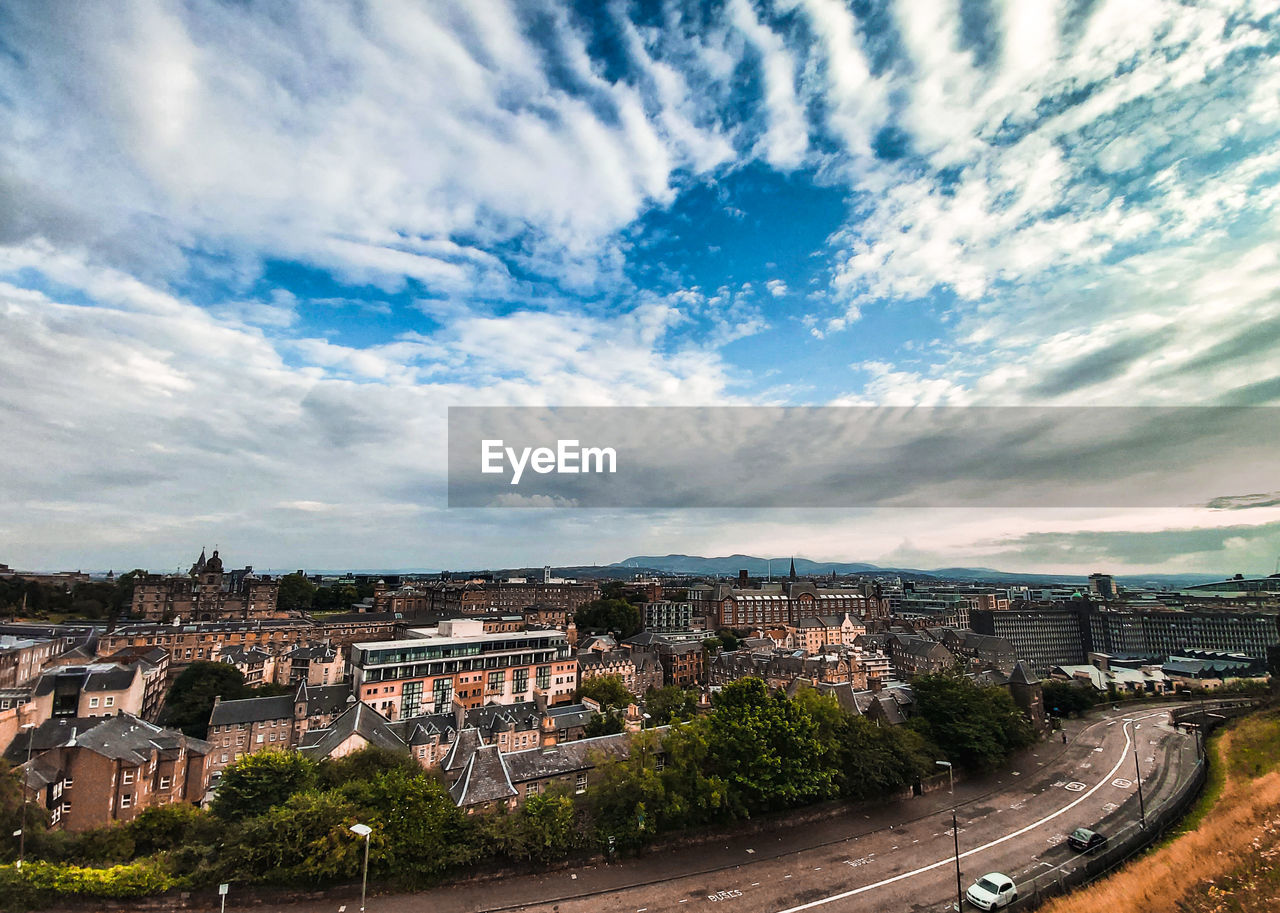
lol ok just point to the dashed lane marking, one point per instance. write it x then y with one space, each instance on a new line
1128 743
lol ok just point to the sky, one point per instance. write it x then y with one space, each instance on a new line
250 253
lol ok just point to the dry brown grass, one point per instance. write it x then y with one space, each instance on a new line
1226 865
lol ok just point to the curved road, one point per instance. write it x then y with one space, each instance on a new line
899 857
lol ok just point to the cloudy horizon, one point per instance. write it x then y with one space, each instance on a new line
251 253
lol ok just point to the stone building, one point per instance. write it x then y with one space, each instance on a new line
205 593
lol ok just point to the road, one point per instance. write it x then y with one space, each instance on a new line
897 857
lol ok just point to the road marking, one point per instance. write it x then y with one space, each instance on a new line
1122 782
950 860
755 884
750 851
1075 786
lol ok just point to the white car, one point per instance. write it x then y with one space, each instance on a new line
991 891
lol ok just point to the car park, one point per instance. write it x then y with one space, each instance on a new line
992 891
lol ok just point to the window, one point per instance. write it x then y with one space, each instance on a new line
497 678
544 677
126 800
93 702
66 784
521 681
128 776
580 783
259 738
108 701
164 782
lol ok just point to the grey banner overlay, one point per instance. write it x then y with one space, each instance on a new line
700 457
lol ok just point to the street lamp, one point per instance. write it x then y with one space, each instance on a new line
363 830
1137 772
22 834
955 833
951 780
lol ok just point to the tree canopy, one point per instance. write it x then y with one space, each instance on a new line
977 727
609 615
190 699
606 690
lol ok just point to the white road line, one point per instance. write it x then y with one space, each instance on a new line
950 860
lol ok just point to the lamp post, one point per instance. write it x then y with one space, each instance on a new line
363 830
22 834
955 833
951 780
1137 772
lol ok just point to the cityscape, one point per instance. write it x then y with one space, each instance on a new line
644 456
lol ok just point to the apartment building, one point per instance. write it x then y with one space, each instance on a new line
457 662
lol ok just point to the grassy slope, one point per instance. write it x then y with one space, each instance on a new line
1229 862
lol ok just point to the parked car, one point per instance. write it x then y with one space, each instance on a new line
992 891
1086 841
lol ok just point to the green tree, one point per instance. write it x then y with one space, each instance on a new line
306 838
765 746
974 726
670 703
1068 698
190 699
729 641
260 781
545 828
165 827
607 690
609 615
296 593
626 798
366 764
610 723
420 832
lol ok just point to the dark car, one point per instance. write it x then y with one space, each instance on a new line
1086 841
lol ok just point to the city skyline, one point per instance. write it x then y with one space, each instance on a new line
249 256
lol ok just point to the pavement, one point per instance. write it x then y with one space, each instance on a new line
896 856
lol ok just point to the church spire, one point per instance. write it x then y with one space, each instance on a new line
793 568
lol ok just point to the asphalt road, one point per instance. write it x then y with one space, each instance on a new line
898 857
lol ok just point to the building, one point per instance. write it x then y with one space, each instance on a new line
205 593
914 655
457 662
816 633
199 642
744 605
601 663
785 670
239 728
22 659
91 773
1103 586
1045 636
980 650
667 616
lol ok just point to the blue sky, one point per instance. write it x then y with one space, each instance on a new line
250 253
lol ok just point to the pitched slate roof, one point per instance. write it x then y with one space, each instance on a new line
484 779
52 733
1022 675
252 710
566 757
360 720
127 738
469 741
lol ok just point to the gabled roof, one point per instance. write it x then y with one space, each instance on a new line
127 738
252 710
1022 675
359 720
469 741
484 779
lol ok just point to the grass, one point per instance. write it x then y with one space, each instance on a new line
1226 859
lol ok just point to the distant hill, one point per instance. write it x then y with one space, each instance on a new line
698 566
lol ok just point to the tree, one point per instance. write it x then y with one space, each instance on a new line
419 832
604 724
366 764
606 690
296 593
190 699
765 748
728 640
670 703
261 781
608 615
1068 698
544 829
977 727
305 838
